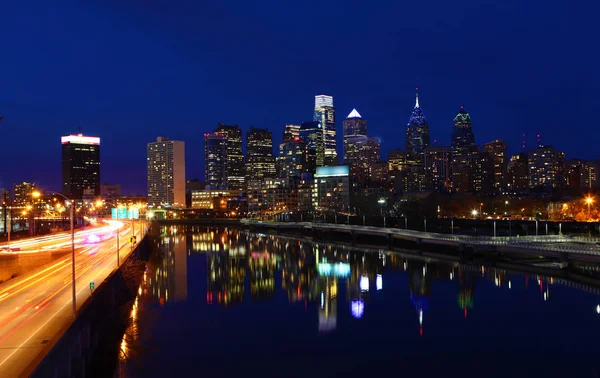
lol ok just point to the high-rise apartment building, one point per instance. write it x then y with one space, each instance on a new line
312 134
166 172
325 113
546 167
215 161
581 175
362 152
80 165
438 161
354 125
464 153
483 179
331 189
236 172
260 163
23 193
396 166
417 134
499 154
517 174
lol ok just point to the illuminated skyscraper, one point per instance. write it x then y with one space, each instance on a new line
291 132
517 174
417 134
462 133
354 125
325 113
80 165
312 134
235 157
260 162
215 161
292 158
166 172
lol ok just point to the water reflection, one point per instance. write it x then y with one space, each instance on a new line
335 285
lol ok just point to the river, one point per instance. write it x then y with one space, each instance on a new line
226 303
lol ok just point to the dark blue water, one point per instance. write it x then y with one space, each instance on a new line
226 303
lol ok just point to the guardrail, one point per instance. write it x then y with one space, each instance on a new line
557 243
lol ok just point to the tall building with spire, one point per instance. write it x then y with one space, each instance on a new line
464 153
417 134
325 114
354 125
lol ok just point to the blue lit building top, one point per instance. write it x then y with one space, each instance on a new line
334 171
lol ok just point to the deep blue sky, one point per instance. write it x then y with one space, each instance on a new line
131 70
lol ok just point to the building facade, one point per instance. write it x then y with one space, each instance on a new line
546 166
362 152
417 134
312 134
332 189
166 172
215 161
325 114
517 174
498 150
22 193
354 125
438 161
236 173
80 165
260 162
292 160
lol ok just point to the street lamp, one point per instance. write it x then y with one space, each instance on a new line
589 200
37 194
474 213
381 202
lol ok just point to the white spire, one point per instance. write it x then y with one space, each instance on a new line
417 102
354 114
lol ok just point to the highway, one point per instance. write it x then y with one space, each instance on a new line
34 307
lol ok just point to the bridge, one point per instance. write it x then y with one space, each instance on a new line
561 247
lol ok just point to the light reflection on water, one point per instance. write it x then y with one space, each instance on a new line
231 270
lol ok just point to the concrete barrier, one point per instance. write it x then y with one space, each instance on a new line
86 347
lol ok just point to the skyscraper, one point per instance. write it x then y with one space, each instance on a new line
362 152
260 163
292 159
354 125
464 153
438 160
325 113
215 161
291 132
498 152
166 172
235 157
462 133
312 134
80 165
417 134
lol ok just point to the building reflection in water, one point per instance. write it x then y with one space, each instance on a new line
311 274
168 270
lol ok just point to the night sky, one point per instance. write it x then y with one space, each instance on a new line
128 71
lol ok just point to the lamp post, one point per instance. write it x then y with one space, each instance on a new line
37 194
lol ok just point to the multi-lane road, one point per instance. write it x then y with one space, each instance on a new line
35 306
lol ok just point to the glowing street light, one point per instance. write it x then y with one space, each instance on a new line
474 213
589 200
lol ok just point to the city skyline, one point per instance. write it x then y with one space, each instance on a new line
142 79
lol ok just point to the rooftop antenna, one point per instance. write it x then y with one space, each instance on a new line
523 145
539 139
79 129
